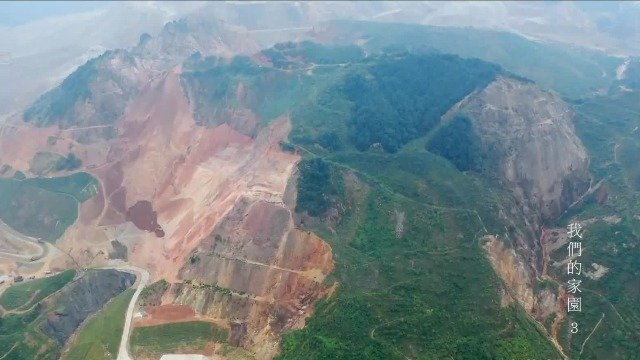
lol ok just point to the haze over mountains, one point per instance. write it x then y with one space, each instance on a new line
321 180
42 52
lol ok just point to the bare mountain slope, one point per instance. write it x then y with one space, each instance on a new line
531 137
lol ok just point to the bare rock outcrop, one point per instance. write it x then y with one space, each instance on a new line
530 147
529 137
256 272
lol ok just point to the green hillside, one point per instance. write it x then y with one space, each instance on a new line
44 207
571 71
100 336
22 296
422 289
413 279
608 126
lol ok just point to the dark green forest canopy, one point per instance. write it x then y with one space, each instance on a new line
292 55
456 141
336 95
401 98
318 185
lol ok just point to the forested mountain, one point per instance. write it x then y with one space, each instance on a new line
361 191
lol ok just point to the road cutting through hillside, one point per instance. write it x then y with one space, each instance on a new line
123 349
20 248
26 247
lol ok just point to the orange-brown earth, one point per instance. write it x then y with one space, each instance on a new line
194 181
156 315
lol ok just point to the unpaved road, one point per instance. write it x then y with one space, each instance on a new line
18 247
143 276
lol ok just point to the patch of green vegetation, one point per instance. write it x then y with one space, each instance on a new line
243 84
158 287
70 162
45 162
19 175
234 353
81 186
100 336
400 98
571 71
169 338
287 147
607 126
44 207
456 142
417 285
318 187
58 106
119 250
215 287
22 296
614 246
384 101
5 169
23 334
295 55
59 102
22 339
379 100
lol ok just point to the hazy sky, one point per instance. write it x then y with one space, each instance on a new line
19 12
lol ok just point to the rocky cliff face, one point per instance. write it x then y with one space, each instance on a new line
266 273
83 297
199 33
530 136
531 149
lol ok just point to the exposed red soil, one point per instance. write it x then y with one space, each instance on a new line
305 251
141 214
164 169
168 313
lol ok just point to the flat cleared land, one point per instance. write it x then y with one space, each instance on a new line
185 337
14 244
100 336
22 296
